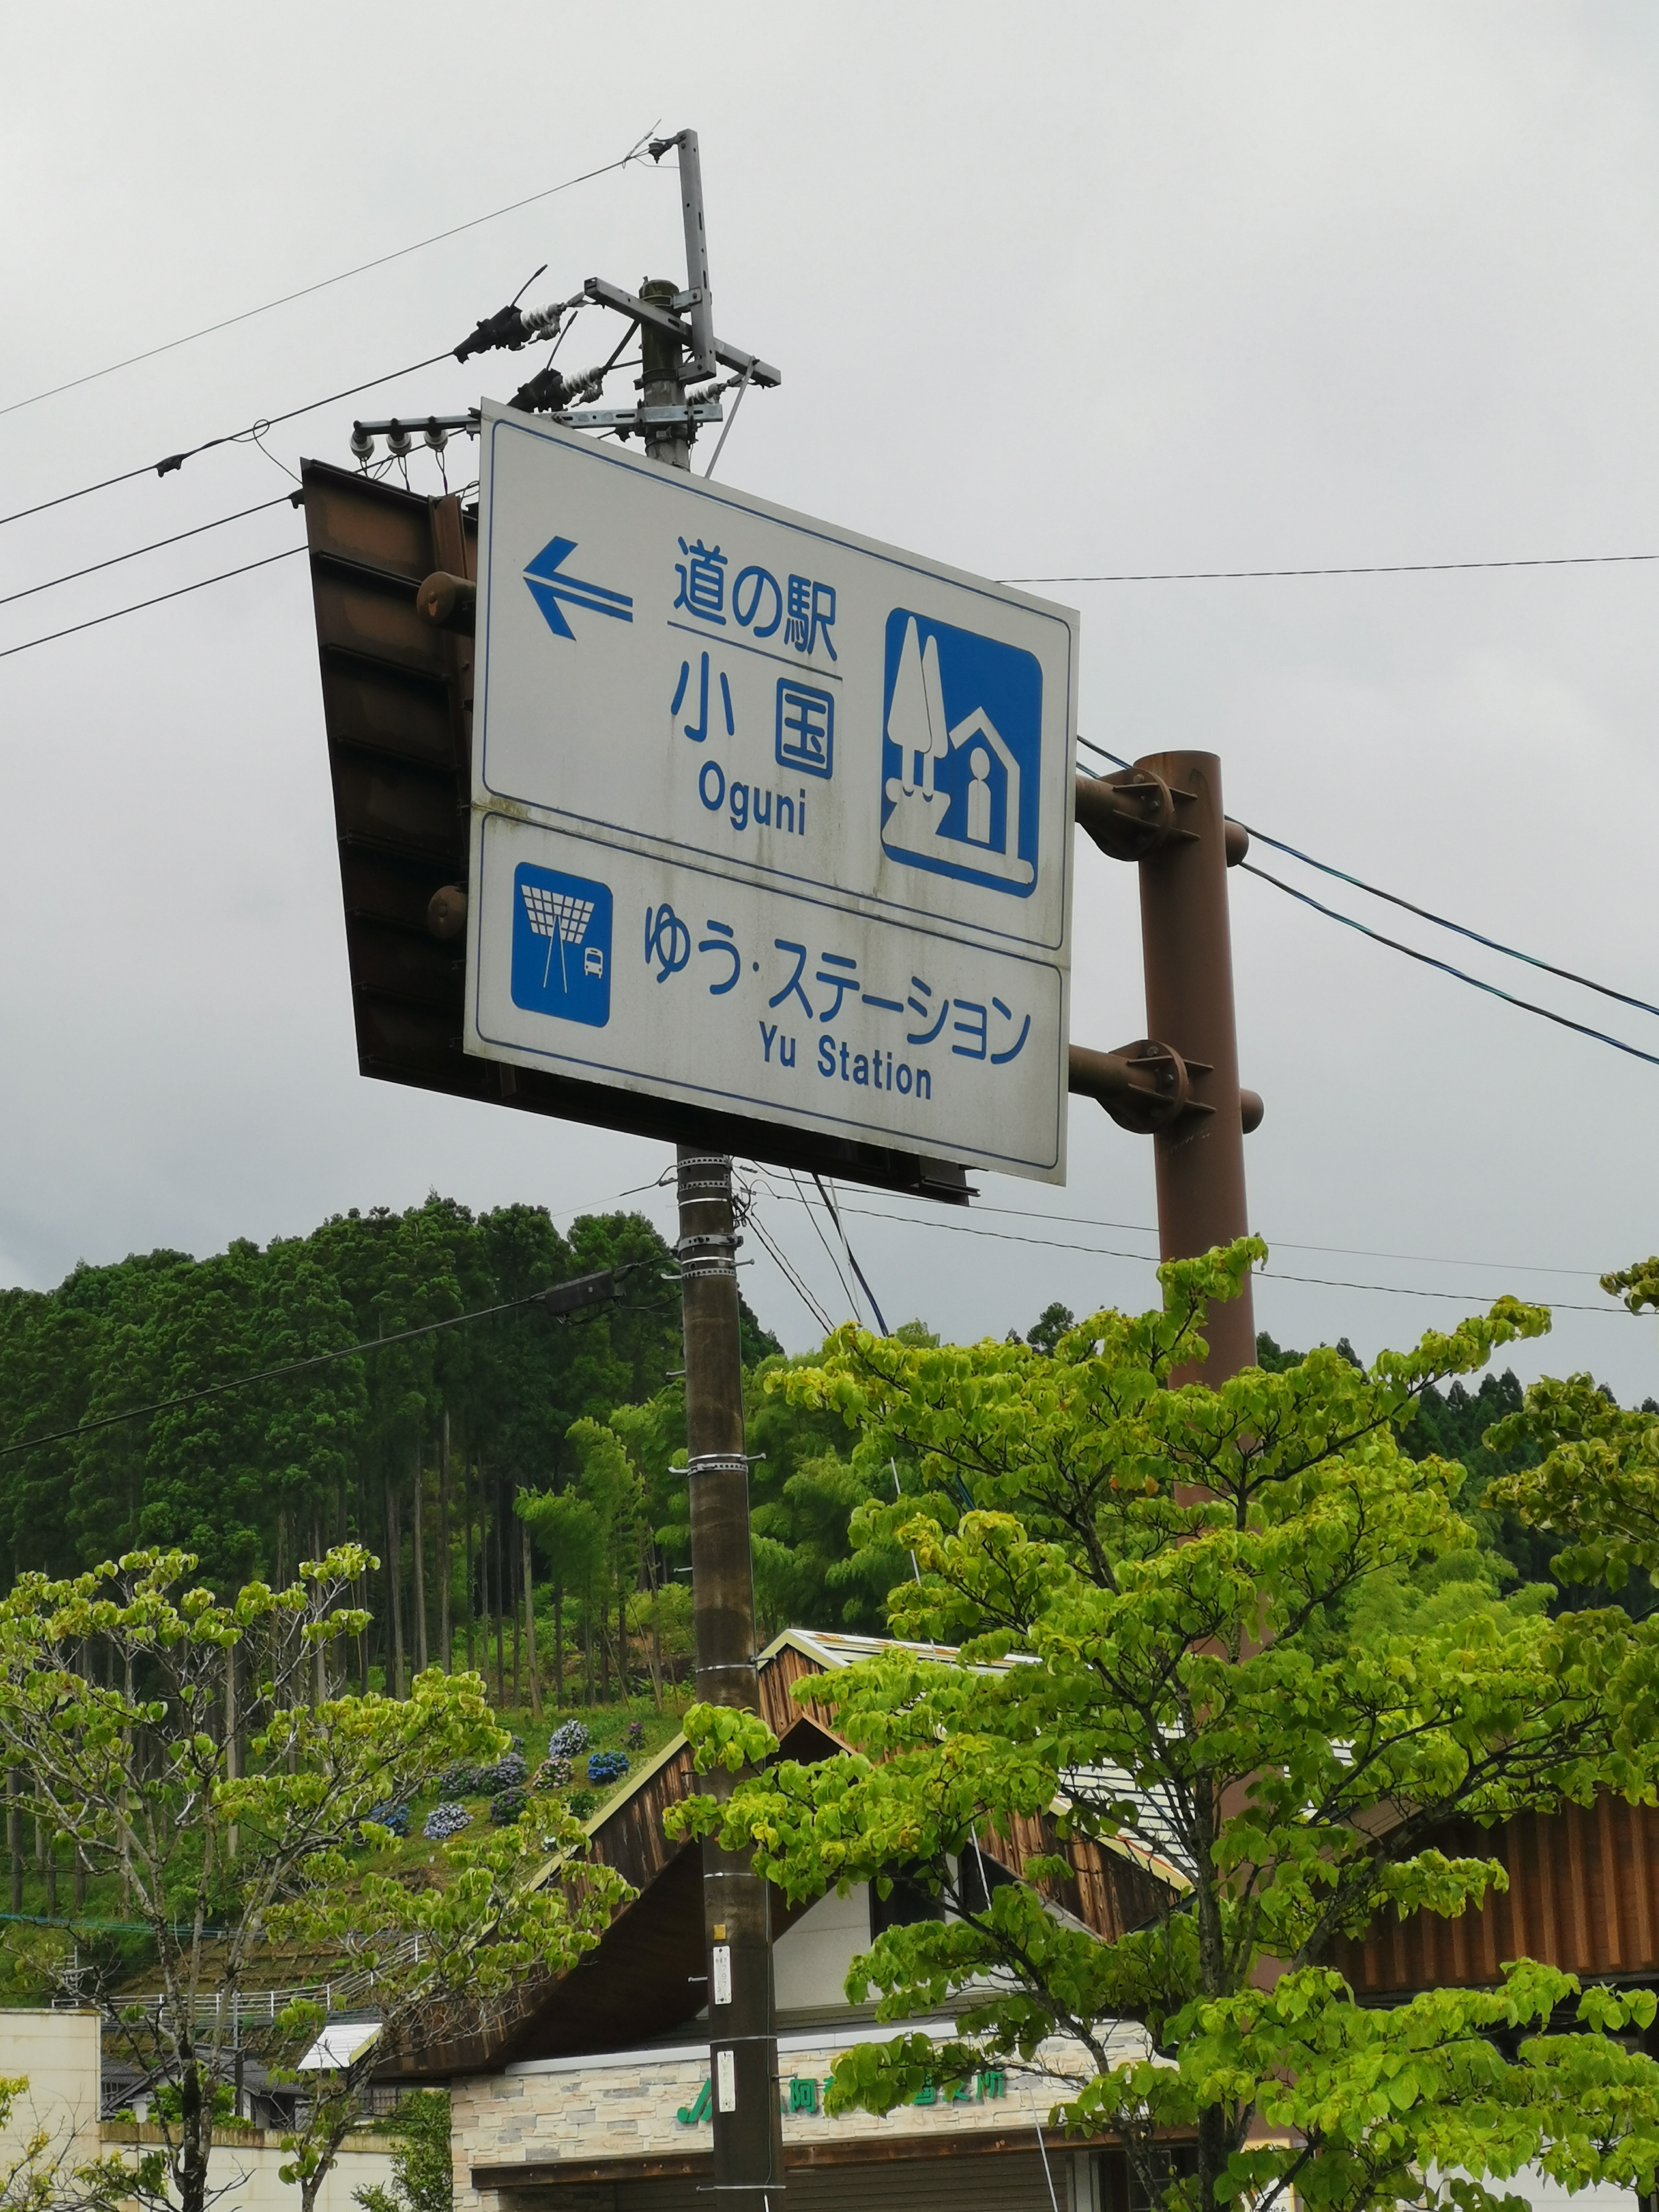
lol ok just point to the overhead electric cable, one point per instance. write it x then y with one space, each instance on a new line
1446 968
170 463
323 284
1150 1260
846 1288
1360 568
1440 921
73 575
790 1274
852 1257
1278 1244
300 1366
1089 745
138 606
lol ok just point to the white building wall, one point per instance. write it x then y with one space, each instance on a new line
809 1961
58 2053
247 2167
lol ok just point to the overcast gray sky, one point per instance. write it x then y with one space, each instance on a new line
1054 289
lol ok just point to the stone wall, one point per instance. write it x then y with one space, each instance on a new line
631 2106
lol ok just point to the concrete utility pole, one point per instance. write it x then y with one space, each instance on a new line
1180 1084
736 1901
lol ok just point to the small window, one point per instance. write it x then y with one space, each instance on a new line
1175 2164
977 1874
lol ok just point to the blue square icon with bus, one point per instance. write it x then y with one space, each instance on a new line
960 754
561 946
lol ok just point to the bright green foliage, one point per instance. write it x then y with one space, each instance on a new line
1154 1592
592 1532
1595 1490
1584 1473
1638 1285
804 1496
422 2175
497 1920
116 1689
34 2178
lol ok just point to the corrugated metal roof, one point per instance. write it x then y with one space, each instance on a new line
1153 1840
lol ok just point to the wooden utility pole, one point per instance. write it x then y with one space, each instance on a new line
737 1904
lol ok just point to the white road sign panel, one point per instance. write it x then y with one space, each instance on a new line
702 722
678 980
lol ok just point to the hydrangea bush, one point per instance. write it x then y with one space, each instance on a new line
508 1773
444 1821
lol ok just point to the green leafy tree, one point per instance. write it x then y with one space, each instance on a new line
414 1449
422 2174
435 1958
1050 1325
35 2177
220 1774
804 1495
1175 1571
592 1532
1591 1490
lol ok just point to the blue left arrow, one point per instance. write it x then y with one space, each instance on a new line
548 586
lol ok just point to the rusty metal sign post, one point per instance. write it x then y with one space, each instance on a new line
1180 1084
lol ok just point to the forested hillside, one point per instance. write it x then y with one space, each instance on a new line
515 1475
418 1448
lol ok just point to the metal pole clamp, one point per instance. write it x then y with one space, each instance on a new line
713 1256
718 1463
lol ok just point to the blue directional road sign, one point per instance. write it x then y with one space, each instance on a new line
548 585
829 783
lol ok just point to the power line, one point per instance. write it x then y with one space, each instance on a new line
1440 921
1361 569
286 499
1149 1260
579 1284
790 1274
1285 1243
170 463
324 283
1491 944
1446 968
138 606
852 1257
1278 1244
1116 759
846 1288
